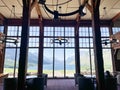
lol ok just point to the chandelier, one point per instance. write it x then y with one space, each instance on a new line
60 40
110 40
57 13
4 39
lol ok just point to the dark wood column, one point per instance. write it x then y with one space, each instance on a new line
1 60
99 66
77 53
2 20
24 45
112 50
41 43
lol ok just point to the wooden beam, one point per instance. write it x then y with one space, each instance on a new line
23 60
116 17
2 18
38 11
41 45
89 7
77 52
78 17
99 66
33 4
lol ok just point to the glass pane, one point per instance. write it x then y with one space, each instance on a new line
48 31
48 42
71 42
10 65
85 61
33 42
59 31
32 61
104 31
92 62
84 42
2 29
70 62
34 31
12 31
115 29
48 62
107 60
59 63
69 31
83 31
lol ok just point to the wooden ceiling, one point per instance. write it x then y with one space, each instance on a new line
109 9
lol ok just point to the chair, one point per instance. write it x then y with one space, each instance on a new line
45 76
111 83
76 75
35 83
85 83
10 84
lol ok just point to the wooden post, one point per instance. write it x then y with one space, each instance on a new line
1 60
99 66
112 50
41 41
24 45
77 53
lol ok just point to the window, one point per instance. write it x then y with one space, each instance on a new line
32 61
59 60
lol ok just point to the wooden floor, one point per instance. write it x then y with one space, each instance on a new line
59 84
1 86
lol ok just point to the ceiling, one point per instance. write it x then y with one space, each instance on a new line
112 9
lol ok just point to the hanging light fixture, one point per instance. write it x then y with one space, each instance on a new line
57 14
60 40
4 39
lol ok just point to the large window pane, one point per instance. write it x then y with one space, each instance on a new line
85 61
48 62
11 61
107 60
59 63
70 62
32 61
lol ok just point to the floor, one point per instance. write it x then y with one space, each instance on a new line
59 84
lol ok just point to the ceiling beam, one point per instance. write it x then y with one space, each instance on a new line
116 17
38 12
2 18
78 17
36 5
89 7
33 4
